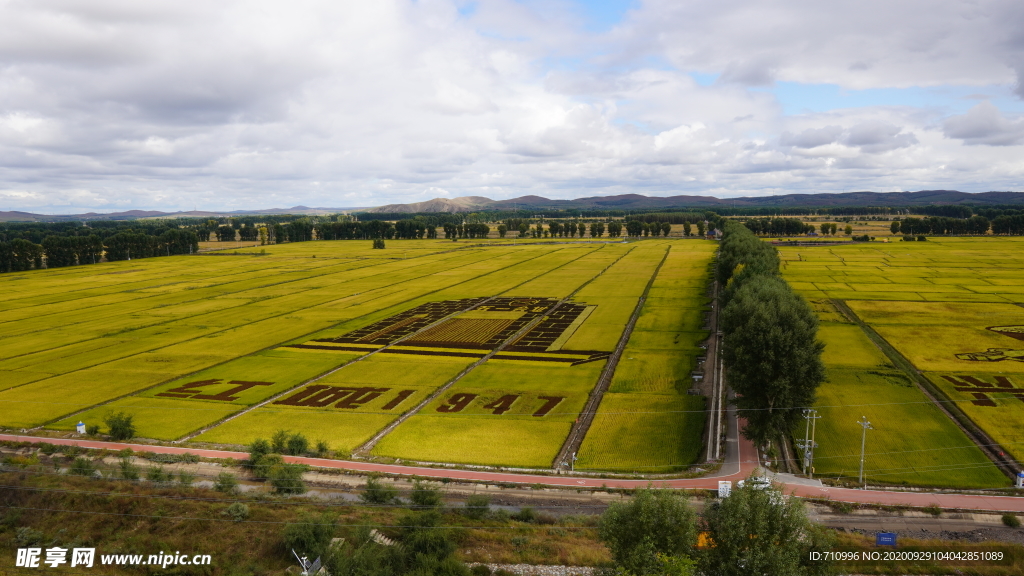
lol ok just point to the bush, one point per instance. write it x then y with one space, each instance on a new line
287 478
257 450
378 244
425 495
922 238
186 478
322 449
262 467
226 483
477 506
934 510
121 425
158 475
377 492
1011 520
237 512
527 514
92 429
642 532
480 570
82 467
279 442
297 445
311 535
129 471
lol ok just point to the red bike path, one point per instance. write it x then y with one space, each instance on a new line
744 455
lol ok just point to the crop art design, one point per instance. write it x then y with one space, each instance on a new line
999 354
456 328
982 390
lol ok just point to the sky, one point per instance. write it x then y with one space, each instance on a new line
110 105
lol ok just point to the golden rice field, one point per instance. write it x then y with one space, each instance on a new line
226 347
952 307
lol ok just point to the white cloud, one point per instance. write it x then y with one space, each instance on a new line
115 104
985 124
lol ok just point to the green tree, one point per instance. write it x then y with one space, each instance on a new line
772 355
642 532
121 425
287 478
848 230
833 227
425 495
377 492
759 531
686 229
311 535
825 228
666 228
502 230
700 228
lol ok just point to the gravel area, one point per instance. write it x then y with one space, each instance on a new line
1009 535
539 570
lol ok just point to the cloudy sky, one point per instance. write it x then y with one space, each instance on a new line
119 104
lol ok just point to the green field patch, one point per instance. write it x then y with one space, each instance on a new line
937 313
873 295
670 318
341 430
653 372
846 345
912 441
533 376
995 402
12 378
481 440
39 402
937 348
462 401
400 370
665 340
644 433
157 418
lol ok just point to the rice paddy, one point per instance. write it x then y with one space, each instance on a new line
337 340
952 307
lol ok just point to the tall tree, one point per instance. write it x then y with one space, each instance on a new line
772 355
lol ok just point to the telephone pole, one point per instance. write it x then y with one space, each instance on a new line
811 417
863 439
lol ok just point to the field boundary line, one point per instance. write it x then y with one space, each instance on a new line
354 360
372 442
271 347
582 425
979 437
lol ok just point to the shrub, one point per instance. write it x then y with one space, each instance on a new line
322 449
92 429
311 535
477 506
257 450
480 570
1011 520
226 483
261 468
82 467
527 514
922 238
934 510
425 495
297 445
158 475
237 511
129 471
186 478
287 478
121 425
377 492
378 244
279 442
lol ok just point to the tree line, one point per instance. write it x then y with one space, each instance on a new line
55 250
945 225
770 348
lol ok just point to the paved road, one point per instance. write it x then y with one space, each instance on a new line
741 460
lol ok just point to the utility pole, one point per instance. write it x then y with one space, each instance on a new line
811 417
863 439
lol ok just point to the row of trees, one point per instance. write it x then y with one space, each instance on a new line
58 251
778 226
770 347
943 225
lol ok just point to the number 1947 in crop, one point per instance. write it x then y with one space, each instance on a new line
458 402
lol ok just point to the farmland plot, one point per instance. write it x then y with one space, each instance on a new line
949 307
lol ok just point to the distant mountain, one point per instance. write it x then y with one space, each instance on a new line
619 202
640 202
